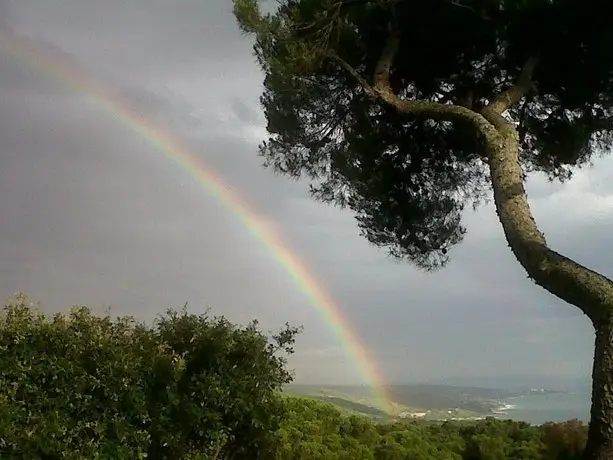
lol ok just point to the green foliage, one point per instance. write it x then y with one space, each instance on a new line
317 430
495 440
192 387
409 178
79 386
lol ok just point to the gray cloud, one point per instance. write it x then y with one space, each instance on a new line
171 38
94 214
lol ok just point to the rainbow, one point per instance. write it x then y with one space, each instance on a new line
69 75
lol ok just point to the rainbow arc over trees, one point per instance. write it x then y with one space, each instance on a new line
71 76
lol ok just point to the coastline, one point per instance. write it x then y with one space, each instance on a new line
503 408
539 408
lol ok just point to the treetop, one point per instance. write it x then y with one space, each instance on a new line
337 71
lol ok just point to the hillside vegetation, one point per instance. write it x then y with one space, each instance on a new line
196 387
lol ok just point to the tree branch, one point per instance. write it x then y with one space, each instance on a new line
383 68
515 93
382 90
353 72
568 280
563 277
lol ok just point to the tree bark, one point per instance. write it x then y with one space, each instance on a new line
600 434
591 292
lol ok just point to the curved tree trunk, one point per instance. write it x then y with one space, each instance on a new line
591 292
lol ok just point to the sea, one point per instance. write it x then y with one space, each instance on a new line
539 408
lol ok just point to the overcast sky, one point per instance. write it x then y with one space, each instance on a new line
92 214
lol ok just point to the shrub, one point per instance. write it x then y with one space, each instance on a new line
191 386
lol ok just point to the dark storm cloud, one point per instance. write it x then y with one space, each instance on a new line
93 214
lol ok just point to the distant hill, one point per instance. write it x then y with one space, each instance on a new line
518 382
429 402
355 407
480 400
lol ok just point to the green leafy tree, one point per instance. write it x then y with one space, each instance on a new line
313 429
190 387
390 449
360 428
407 111
495 439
